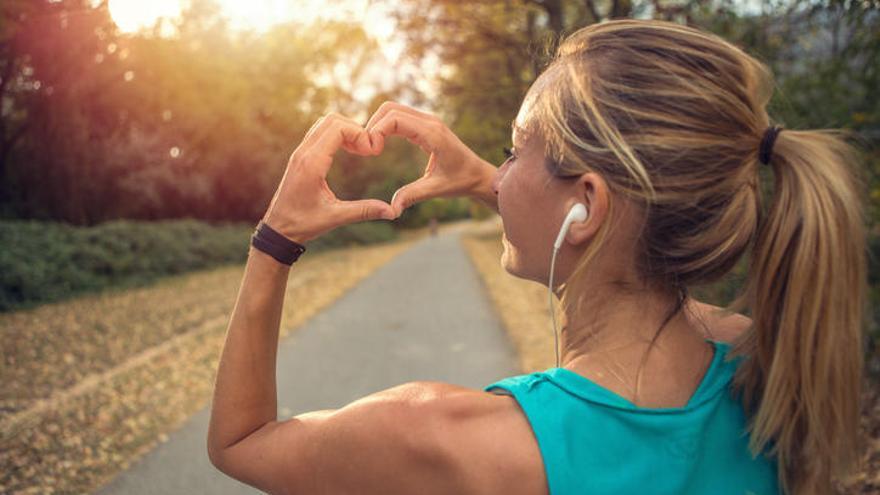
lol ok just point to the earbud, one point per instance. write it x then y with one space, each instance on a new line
577 213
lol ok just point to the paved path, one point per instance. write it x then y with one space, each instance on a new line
422 316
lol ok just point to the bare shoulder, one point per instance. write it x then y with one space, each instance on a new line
716 322
418 437
489 441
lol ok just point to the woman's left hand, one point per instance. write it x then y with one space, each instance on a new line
304 207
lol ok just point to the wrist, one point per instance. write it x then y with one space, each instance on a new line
285 228
266 262
274 244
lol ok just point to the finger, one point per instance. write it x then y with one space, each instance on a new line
365 141
362 144
417 130
412 193
364 210
378 138
390 105
312 128
331 134
354 144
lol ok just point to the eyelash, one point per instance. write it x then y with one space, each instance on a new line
509 154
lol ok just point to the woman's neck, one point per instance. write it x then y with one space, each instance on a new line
614 344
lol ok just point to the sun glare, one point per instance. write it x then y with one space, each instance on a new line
260 15
132 15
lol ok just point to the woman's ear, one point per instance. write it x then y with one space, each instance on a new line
591 190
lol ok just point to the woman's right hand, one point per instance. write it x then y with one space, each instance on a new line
453 169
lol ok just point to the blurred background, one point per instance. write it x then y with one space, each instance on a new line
143 139
123 111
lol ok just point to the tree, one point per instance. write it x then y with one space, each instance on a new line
98 124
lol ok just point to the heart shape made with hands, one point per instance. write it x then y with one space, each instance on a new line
452 170
304 206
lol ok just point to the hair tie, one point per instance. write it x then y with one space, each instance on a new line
767 143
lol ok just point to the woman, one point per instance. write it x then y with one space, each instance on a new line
661 131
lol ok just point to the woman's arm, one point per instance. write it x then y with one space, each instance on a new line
244 392
328 451
303 208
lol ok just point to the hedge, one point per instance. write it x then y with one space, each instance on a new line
49 261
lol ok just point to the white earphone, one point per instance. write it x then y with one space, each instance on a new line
577 213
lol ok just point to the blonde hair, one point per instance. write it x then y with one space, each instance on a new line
672 118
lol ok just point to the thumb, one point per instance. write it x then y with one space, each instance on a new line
410 194
364 210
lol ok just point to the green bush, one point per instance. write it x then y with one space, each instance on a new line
442 209
48 261
354 234
874 305
725 291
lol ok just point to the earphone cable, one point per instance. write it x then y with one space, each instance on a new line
552 312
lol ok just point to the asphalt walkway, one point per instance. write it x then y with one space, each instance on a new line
422 316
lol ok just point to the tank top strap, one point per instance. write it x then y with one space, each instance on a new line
716 378
546 427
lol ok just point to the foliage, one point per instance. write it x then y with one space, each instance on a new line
48 261
100 125
354 234
440 209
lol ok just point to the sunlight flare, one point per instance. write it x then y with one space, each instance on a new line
258 15
133 15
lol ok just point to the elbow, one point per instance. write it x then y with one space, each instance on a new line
216 446
215 453
221 462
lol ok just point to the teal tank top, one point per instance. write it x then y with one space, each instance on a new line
593 441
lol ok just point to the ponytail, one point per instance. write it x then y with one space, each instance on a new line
806 290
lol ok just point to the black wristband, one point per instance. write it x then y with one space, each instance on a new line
269 241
